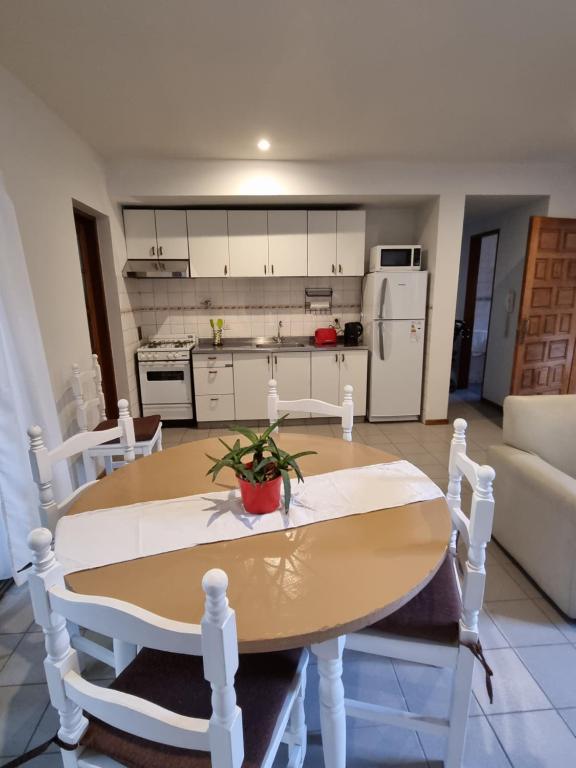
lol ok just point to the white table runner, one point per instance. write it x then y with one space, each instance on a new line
105 536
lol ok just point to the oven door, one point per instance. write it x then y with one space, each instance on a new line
165 382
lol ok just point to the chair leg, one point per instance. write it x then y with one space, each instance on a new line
297 728
459 706
108 466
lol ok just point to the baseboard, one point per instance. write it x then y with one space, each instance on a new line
435 422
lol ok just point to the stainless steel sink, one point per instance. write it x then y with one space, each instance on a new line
271 342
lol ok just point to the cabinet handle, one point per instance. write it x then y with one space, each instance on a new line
212 357
153 251
213 370
225 269
340 268
336 357
275 359
160 251
272 268
214 399
264 268
343 358
333 269
268 359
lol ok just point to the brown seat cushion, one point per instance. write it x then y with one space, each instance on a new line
176 682
144 428
433 614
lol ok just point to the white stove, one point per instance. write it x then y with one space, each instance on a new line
167 348
165 377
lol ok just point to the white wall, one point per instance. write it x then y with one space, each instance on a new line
143 181
513 225
46 167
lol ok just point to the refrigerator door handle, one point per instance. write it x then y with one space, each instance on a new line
383 296
381 332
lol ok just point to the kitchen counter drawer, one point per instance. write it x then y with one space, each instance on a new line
215 407
212 360
214 381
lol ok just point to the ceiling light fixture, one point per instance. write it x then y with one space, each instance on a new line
264 145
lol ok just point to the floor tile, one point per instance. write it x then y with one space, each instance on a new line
523 623
554 669
21 708
515 690
501 586
46 728
565 625
490 635
7 645
569 717
482 748
536 739
16 611
26 665
521 579
428 689
42 761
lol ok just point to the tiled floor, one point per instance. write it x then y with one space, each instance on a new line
531 648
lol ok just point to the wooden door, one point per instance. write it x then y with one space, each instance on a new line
95 298
292 372
354 370
321 243
544 355
252 372
287 243
140 229
171 235
350 242
248 243
208 243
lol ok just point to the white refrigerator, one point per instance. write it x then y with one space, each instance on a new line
393 316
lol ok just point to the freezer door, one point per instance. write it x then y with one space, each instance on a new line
402 296
396 358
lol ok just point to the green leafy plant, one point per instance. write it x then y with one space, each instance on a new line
268 460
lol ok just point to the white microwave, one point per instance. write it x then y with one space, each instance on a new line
399 258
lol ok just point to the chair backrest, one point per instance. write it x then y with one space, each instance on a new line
70 693
344 411
475 528
88 394
42 460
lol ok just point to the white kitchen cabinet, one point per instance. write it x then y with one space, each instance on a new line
171 235
287 243
292 373
248 243
321 243
252 372
208 243
140 229
331 371
350 242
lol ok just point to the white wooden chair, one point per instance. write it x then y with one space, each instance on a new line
344 411
160 710
439 627
42 461
89 399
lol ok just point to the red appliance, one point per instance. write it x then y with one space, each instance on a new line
324 336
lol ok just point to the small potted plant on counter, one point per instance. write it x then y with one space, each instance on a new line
261 468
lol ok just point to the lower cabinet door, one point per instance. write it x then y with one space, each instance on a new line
354 370
325 375
215 407
252 372
292 373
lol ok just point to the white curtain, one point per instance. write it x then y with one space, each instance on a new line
25 398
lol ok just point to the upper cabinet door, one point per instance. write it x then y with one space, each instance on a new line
140 229
248 243
287 243
208 243
350 242
171 234
321 243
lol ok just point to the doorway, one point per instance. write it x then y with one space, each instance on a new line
477 310
95 298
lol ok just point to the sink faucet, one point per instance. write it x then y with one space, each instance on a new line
278 337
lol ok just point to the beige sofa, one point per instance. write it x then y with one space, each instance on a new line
535 492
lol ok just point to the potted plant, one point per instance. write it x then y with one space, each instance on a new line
261 468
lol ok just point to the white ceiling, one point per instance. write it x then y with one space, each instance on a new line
456 80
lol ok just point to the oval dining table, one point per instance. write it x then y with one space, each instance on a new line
306 586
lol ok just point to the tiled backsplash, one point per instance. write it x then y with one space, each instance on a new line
249 307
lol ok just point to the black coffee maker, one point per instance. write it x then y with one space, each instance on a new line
352 334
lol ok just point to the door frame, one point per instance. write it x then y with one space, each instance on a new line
95 299
470 305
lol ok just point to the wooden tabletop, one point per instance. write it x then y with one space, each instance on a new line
289 588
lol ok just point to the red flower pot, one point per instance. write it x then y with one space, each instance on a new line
260 498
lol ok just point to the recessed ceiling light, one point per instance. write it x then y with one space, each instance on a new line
264 145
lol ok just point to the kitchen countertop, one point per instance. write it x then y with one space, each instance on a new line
289 344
